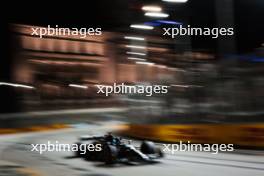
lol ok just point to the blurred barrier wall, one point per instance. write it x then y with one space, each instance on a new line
248 135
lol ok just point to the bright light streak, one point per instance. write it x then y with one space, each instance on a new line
145 63
152 8
176 69
136 53
157 14
176 1
169 22
141 26
136 58
161 66
136 46
78 86
151 23
186 86
134 38
16 85
182 86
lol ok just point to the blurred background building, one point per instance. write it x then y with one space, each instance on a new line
211 80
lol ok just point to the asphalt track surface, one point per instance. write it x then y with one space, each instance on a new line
15 152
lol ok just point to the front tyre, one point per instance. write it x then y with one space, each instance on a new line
148 147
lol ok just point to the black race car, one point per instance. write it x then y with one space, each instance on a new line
111 149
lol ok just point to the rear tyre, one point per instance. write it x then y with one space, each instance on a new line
160 153
77 153
110 154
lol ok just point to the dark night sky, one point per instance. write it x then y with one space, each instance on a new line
114 14
118 14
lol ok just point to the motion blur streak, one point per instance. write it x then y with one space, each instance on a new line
65 87
139 26
16 85
78 86
134 38
157 14
152 8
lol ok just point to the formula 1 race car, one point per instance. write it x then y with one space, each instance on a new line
110 149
